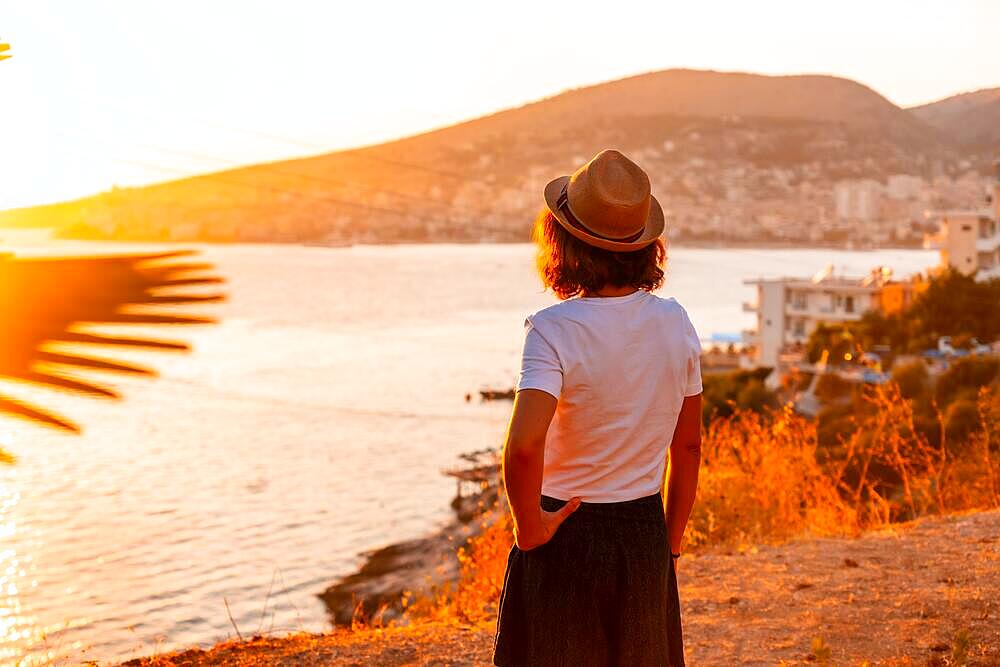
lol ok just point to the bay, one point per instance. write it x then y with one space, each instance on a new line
309 425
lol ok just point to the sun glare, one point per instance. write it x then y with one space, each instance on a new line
279 380
99 93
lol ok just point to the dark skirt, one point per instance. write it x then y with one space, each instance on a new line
602 591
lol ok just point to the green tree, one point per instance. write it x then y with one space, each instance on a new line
912 378
956 304
952 305
966 375
961 420
724 392
837 338
877 328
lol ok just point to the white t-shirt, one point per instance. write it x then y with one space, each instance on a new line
620 367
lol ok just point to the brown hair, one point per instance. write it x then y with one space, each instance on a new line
571 267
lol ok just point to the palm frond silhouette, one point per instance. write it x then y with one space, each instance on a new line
47 303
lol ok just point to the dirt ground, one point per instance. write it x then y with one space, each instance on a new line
927 593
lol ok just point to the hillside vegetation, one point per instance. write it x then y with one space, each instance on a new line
972 119
719 146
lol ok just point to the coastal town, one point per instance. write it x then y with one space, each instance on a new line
735 159
790 309
714 201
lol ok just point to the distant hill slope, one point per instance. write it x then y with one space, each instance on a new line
972 119
704 136
710 94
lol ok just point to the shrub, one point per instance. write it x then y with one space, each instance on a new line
965 373
724 393
482 562
832 388
761 481
912 378
838 339
961 420
764 478
953 305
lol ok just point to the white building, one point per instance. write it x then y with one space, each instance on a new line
857 200
970 240
789 310
903 186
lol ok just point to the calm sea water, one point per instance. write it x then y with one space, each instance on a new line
308 426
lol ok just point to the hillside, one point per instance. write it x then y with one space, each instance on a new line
972 119
920 594
706 94
743 153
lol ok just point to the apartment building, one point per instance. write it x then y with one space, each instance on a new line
970 240
789 309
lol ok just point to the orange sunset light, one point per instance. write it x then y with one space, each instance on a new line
585 333
102 94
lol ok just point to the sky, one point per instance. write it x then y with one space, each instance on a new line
103 93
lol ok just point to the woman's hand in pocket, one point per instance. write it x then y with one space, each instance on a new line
533 536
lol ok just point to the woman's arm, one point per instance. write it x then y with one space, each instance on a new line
523 458
685 459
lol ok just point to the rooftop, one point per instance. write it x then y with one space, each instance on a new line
826 279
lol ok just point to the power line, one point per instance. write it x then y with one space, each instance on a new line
347 153
353 154
217 178
312 177
350 152
341 202
461 212
323 198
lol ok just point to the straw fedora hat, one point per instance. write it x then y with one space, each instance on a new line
607 203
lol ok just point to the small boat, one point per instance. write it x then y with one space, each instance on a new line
328 244
497 394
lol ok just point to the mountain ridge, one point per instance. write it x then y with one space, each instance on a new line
713 84
767 135
971 118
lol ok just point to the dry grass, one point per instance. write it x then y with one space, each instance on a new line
923 593
854 582
424 644
764 480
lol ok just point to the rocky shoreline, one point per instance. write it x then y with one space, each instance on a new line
392 575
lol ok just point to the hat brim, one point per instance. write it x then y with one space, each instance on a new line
655 223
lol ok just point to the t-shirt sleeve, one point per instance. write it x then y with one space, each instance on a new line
540 365
694 359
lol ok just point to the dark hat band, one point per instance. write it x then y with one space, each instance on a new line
562 204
